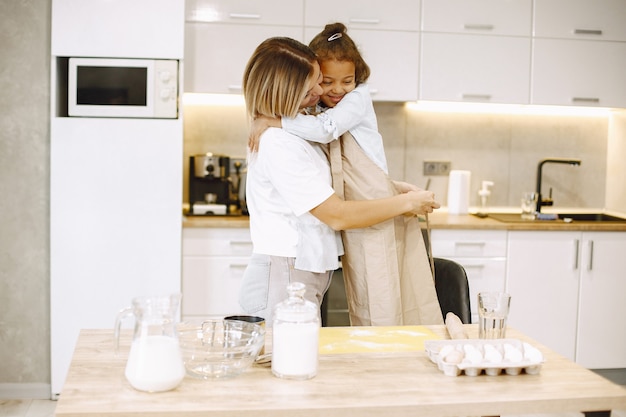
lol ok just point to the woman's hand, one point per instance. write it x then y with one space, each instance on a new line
259 125
423 201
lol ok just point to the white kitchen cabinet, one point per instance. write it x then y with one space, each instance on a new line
601 341
220 37
475 51
567 295
542 280
117 28
216 54
267 12
481 252
580 19
396 15
493 17
579 53
475 68
577 72
214 260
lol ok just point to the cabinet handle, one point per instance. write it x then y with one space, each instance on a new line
247 16
374 91
593 100
476 243
587 32
471 26
590 262
235 88
240 242
366 21
576 244
485 97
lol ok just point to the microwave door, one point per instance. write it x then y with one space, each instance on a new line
110 88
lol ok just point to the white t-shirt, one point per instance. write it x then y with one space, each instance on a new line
287 178
354 113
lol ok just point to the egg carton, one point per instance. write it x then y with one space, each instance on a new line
491 356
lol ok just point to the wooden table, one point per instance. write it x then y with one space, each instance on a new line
365 384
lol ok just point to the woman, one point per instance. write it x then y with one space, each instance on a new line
294 211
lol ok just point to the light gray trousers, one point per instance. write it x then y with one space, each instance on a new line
265 285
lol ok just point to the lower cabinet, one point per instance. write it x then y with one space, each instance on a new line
481 252
214 260
568 293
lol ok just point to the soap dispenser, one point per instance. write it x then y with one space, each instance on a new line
484 194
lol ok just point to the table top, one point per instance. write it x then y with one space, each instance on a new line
349 384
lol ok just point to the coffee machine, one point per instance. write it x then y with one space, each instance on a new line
209 184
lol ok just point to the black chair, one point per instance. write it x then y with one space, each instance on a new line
452 289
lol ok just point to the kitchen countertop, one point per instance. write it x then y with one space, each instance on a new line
440 219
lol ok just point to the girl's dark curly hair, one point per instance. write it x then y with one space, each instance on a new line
334 43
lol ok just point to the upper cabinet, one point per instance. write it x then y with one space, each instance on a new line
579 53
220 37
555 52
584 73
492 17
581 19
475 68
97 28
364 14
387 37
477 51
267 12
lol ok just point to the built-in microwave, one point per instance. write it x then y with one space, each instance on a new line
116 87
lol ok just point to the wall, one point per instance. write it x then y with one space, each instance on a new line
504 148
616 168
24 201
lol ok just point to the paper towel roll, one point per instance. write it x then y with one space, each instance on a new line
458 191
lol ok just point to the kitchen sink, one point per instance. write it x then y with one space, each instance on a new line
576 217
591 217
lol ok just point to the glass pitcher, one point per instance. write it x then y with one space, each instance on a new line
154 363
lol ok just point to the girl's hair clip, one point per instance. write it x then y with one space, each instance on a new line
335 36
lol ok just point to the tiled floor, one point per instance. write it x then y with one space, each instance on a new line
27 408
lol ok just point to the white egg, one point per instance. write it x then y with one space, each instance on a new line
511 353
454 357
492 354
445 351
531 353
472 355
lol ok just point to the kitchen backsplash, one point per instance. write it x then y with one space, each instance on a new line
503 148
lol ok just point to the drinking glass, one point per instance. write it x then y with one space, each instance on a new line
529 204
493 309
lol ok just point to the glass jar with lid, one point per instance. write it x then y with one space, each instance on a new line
295 337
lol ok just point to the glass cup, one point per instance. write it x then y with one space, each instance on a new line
250 319
529 205
493 309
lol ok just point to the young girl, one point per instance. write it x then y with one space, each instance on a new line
294 211
386 269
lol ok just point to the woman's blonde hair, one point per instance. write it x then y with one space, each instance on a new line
275 78
334 43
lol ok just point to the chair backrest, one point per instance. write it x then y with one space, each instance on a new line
452 289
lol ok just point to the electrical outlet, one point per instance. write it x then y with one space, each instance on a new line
232 169
437 167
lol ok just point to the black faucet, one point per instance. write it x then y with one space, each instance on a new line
548 201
